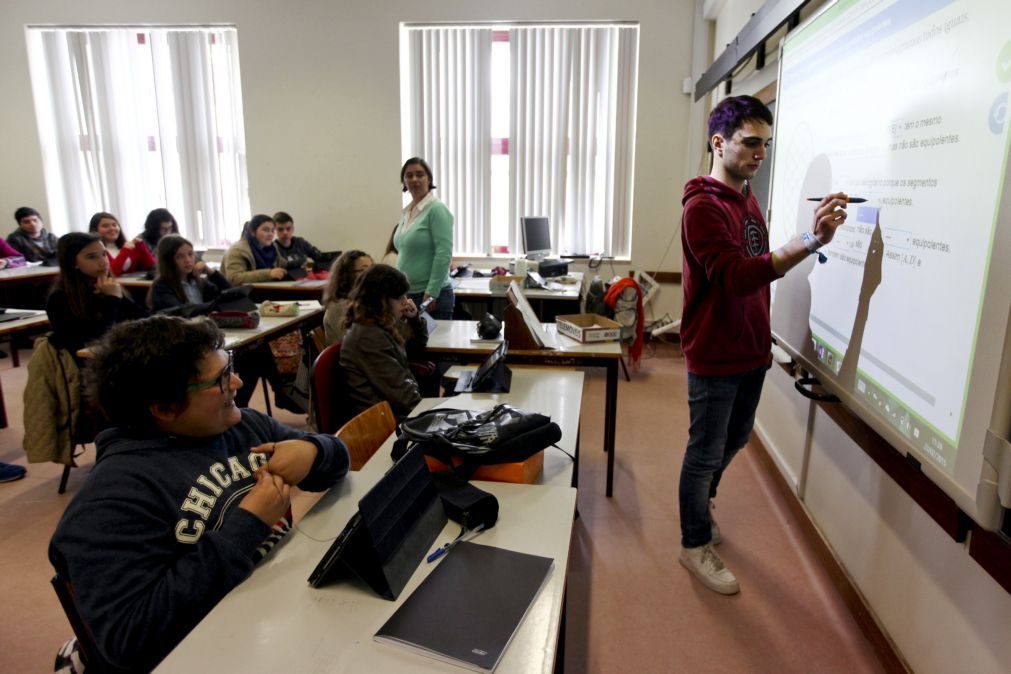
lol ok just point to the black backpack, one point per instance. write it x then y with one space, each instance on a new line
504 434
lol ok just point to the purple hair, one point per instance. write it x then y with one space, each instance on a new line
732 112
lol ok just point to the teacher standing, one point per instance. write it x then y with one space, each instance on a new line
424 239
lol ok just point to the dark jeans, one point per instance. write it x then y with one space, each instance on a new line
443 309
722 413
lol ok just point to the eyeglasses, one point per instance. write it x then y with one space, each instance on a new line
222 380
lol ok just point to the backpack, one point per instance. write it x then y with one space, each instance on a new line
467 439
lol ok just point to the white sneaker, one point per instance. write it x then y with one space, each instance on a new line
709 568
714 528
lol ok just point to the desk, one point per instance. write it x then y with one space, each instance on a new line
558 395
272 290
305 289
452 341
12 280
32 320
310 315
275 622
546 303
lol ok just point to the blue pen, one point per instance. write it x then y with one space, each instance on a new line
449 546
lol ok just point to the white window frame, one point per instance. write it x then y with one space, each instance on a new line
571 143
133 118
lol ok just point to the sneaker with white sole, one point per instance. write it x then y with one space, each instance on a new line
714 528
709 568
10 472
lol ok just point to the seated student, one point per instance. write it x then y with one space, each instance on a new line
124 256
253 258
10 257
337 294
293 252
182 278
86 300
157 224
184 492
32 239
373 356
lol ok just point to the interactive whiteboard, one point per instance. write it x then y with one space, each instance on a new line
905 103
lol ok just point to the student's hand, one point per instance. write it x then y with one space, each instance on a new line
277 273
131 244
829 215
3 262
290 459
410 308
200 267
268 499
108 285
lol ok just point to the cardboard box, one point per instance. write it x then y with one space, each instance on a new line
498 285
522 472
586 328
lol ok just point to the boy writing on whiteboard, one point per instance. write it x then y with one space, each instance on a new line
725 328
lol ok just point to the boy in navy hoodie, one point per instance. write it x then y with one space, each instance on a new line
725 327
185 489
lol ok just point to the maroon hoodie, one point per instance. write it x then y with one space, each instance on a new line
726 275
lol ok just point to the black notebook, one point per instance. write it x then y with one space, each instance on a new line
468 609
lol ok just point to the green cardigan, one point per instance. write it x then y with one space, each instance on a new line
426 248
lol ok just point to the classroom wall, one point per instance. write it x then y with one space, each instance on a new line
942 611
321 97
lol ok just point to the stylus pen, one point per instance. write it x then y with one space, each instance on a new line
449 546
849 200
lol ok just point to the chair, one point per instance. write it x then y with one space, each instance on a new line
366 433
330 402
318 336
86 646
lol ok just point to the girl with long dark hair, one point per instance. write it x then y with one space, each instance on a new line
182 279
86 299
373 355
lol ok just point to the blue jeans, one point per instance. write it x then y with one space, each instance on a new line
443 309
722 413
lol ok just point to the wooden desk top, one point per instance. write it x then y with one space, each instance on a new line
33 273
461 337
274 622
479 287
272 325
556 393
30 319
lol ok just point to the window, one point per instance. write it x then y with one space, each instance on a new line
132 119
526 120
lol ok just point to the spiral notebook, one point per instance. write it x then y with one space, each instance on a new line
468 609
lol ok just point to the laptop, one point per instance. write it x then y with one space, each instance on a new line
491 377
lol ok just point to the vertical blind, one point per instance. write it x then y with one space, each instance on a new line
572 93
132 119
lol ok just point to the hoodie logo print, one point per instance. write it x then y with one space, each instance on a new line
756 241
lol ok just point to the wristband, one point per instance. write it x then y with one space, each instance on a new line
811 242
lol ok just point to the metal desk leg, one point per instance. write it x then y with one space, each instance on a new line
610 420
3 410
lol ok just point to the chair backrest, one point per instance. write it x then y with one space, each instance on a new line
331 403
318 336
93 661
365 433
